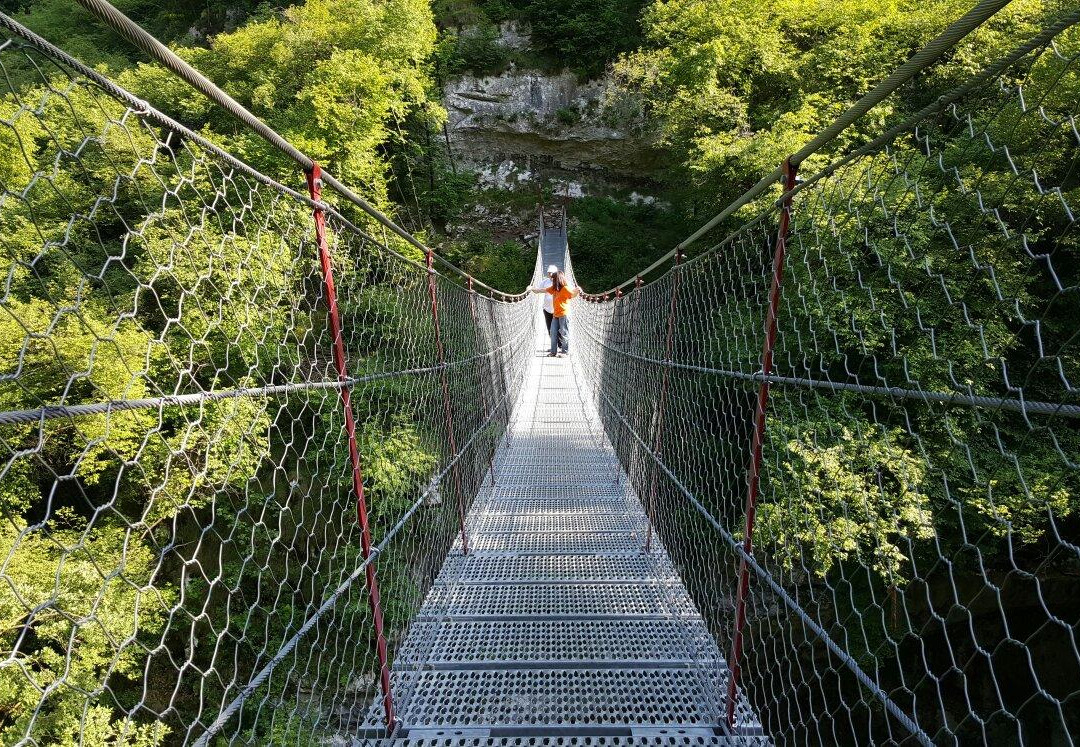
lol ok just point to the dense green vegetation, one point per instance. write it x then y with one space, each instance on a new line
727 89
610 239
582 35
122 532
732 87
90 41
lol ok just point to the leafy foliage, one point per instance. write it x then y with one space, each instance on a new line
108 298
733 87
611 237
581 35
850 494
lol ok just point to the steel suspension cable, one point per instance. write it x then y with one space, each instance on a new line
918 62
140 38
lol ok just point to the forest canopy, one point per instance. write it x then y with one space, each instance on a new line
139 543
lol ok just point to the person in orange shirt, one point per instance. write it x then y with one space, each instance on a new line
561 292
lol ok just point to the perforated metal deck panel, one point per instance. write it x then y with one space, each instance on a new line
679 738
558 628
549 643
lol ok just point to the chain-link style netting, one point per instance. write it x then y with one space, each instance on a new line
180 548
915 547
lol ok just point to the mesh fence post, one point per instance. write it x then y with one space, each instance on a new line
484 399
447 407
661 402
754 475
633 406
315 189
499 373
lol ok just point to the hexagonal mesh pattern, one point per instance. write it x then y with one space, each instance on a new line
558 621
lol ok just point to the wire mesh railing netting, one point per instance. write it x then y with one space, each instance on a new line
179 544
915 548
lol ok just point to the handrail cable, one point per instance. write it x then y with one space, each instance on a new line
144 40
145 109
918 62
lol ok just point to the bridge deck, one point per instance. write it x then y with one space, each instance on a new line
553 248
558 626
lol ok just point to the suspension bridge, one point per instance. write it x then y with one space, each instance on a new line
273 471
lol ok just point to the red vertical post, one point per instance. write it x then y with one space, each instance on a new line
499 370
315 190
661 403
613 335
634 310
448 410
754 476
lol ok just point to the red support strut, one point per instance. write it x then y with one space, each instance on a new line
754 476
315 190
448 410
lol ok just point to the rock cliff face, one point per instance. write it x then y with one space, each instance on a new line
509 127
524 127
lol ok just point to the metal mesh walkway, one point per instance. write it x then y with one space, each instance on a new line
557 626
557 623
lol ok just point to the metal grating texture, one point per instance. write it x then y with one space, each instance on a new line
598 504
558 628
505 568
550 600
679 738
555 542
558 523
555 642
562 698
555 491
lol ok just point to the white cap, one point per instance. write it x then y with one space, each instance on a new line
552 269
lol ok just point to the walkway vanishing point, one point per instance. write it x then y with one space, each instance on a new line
558 624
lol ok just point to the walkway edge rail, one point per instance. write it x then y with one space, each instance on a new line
865 679
255 682
53 412
1022 406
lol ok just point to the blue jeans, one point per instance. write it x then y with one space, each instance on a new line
560 334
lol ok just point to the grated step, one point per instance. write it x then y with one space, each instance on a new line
546 568
540 452
557 458
559 642
458 738
556 506
580 476
508 601
555 543
558 523
547 490
568 699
